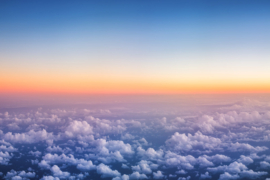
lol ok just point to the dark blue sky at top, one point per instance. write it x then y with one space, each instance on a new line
31 16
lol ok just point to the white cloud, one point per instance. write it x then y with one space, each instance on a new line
43 165
8 149
84 165
203 162
206 175
218 158
16 175
251 174
245 160
245 147
78 128
127 136
199 142
232 168
106 171
58 149
174 160
227 176
158 175
124 177
182 142
137 175
184 178
35 153
181 172
81 164
150 153
142 167
265 165
49 178
124 166
58 173
29 137
5 158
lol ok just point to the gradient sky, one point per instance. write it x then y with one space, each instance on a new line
219 46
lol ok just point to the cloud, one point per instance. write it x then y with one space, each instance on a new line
208 145
142 167
56 171
49 178
81 164
76 128
172 175
218 158
13 126
227 176
232 168
251 174
120 146
174 160
8 148
184 178
58 149
245 160
110 151
265 165
203 162
124 177
127 136
124 166
29 137
5 157
35 153
84 165
137 175
181 172
158 175
199 142
182 142
14 175
150 153
43 165
106 171
245 147
205 176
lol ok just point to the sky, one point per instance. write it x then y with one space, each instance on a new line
134 47
133 90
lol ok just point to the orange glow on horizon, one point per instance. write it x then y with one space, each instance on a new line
133 86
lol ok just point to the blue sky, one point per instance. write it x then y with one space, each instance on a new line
157 40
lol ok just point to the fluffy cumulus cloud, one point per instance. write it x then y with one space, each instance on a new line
158 175
206 176
128 141
56 171
137 175
124 177
234 167
28 137
19 175
183 142
150 153
106 171
49 178
76 128
5 157
227 176
245 160
81 164
198 141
